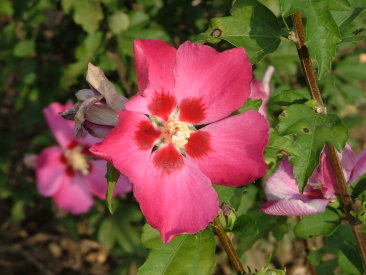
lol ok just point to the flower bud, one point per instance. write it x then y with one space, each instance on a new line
97 108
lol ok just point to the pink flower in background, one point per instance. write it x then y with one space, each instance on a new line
261 90
283 192
66 172
179 88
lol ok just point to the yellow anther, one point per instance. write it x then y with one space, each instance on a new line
176 132
77 160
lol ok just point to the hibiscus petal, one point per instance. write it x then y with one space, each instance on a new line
62 129
294 207
210 85
282 184
174 195
128 146
73 195
257 92
348 161
324 176
324 173
360 167
230 151
97 183
154 61
50 170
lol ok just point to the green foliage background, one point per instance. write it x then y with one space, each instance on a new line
45 46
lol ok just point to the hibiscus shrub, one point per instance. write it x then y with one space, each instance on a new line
206 135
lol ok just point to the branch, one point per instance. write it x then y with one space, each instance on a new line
307 66
228 246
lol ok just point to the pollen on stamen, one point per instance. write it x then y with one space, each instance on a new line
175 132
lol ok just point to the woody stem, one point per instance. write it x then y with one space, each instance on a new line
228 246
346 199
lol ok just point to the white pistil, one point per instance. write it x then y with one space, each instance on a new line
176 132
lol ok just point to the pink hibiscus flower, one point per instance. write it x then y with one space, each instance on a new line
283 192
261 90
67 173
179 88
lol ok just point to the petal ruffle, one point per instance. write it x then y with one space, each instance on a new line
360 167
294 207
282 184
50 170
174 195
97 183
73 195
154 61
257 92
348 161
230 151
128 146
62 129
210 85
325 176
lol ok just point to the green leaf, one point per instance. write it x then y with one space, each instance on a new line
6 7
282 143
120 229
265 223
85 52
250 104
343 244
310 131
349 260
112 177
322 33
245 226
185 254
346 25
315 257
288 97
88 14
251 25
322 224
118 22
24 48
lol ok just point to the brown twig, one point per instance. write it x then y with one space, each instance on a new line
306 62
299 39
228 246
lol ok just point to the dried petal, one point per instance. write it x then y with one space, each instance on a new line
98 81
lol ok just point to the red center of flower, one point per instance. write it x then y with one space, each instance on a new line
192 110
176 132
162 105
168 159
146 135
75 160
199 144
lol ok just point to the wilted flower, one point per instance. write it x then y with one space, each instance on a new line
283 192
98 107
261 90
67 172
194 85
